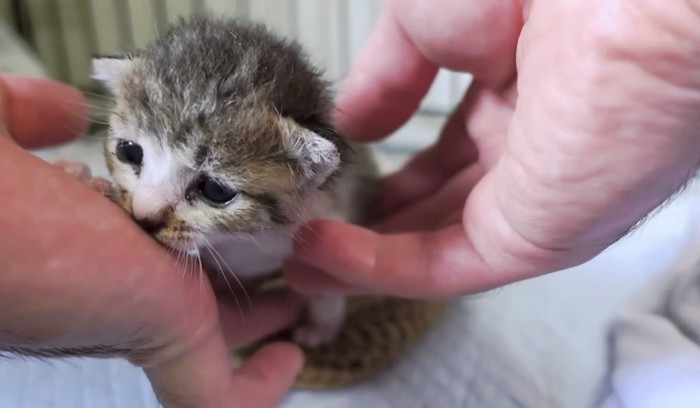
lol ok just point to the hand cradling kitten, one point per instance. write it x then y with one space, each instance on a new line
221 145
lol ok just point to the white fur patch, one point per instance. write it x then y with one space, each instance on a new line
159 185
326 316
111 71
249 256
323 154
308 146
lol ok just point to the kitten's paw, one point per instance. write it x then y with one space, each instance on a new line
313 335
326 316
84 175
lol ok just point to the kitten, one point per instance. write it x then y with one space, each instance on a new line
221 142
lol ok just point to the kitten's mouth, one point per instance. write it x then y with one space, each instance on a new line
183 243
173 236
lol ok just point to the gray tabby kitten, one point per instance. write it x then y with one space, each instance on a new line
221 142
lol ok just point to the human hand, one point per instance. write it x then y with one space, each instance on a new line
83 173
583 117
82 279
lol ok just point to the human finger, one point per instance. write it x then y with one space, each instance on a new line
376 98
309 280
421 264
39 112
203 376
268 313
396 68
264 380
426 172
428 213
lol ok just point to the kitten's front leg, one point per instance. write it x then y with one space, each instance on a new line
325 317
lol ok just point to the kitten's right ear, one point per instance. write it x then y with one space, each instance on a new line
111 70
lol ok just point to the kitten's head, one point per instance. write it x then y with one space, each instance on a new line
218 127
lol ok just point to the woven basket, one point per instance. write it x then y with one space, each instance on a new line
377 332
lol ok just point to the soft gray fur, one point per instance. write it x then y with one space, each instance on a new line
231 102
214 75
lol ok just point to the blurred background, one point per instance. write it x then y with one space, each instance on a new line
535 344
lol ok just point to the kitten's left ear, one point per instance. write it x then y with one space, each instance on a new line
111 70
319 157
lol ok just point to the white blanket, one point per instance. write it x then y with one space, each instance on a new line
655 345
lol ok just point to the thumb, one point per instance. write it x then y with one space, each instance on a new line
266 377
203 376
39 112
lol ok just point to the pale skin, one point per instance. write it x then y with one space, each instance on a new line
583 118
77 272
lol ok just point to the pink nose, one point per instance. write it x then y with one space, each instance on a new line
150 226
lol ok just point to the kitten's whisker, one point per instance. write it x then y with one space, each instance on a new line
230 288
177 260
172 251
66 127
89 107
187 263
182 254
201 269
303 240
216 254
86 104
255 240
90 119
98 95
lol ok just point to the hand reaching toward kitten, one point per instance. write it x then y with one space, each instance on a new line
78 277
583 118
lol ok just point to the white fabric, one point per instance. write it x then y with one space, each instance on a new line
655 345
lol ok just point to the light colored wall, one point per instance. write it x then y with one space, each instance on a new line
5 11
66 33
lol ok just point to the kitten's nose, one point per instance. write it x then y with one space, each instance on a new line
150 225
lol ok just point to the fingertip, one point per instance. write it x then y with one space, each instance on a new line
42 112
310 236
268 313
340 250
273 363
377 98
287 353
318 234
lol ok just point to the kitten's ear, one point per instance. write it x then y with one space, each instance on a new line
319 157
111 70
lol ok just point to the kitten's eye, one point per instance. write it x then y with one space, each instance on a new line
215 192
129 152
